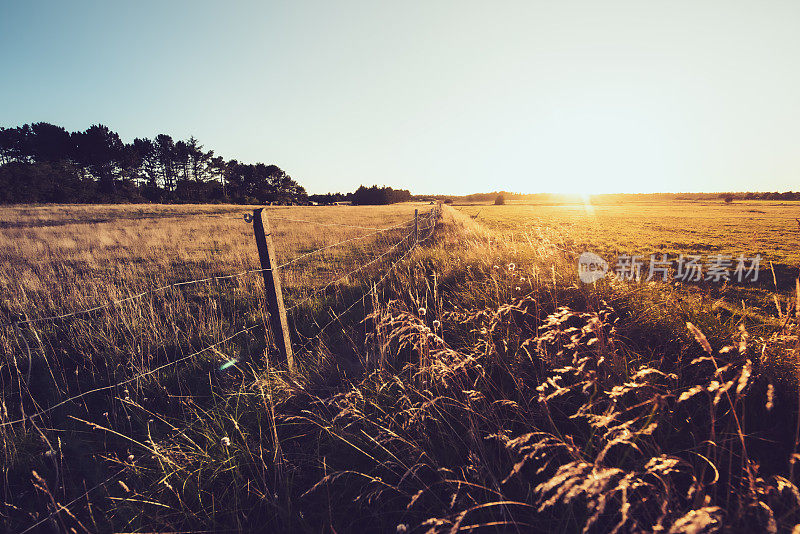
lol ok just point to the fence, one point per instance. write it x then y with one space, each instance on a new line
406 236
305 280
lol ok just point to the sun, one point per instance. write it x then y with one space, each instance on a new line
587 204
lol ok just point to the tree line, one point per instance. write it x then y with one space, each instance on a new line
43 162
363 196
786 195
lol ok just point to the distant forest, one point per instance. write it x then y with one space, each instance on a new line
365 196
43 162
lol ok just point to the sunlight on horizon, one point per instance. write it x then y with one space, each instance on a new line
436 98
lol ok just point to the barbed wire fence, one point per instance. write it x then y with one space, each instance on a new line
308 276
315 281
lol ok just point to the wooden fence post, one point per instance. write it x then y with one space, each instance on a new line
416 227
272 286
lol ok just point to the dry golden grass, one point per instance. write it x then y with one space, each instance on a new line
482 388
675 227
63 258
672 227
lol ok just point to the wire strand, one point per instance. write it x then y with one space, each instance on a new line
330 224
371 291
193 282
350 273
129 380
295 260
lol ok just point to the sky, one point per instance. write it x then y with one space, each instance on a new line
434 96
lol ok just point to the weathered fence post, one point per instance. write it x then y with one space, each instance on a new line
416 227
272 285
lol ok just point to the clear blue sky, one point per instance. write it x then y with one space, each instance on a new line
451 97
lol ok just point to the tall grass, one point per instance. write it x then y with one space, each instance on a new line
481 388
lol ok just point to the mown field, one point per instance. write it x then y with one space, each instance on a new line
480 387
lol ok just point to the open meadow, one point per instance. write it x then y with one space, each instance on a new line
769 230
57 259
469 383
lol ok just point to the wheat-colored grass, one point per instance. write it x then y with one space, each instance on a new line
480 388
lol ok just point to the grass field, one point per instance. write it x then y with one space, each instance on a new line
481 387
672 227
63 258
